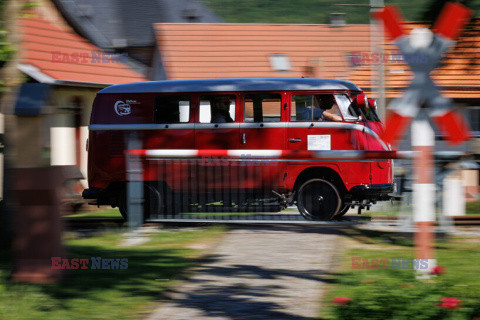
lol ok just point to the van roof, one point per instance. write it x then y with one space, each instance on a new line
218 85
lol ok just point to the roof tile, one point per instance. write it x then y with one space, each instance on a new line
54 52
192 51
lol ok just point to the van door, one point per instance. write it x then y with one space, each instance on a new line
308 130
216 128
173 117
263 128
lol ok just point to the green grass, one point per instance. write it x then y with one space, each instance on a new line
460 256
101 213
106 294
473 207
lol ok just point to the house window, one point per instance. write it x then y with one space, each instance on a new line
280 62
172 109
263 107
474 119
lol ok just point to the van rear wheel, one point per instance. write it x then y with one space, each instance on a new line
153 202
318 199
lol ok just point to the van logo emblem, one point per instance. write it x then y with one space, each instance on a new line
122 108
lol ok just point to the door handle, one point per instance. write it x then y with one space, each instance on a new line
244 139
295 140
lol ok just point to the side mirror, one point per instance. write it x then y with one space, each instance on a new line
360 101
373 104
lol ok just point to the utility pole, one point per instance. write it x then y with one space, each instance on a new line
377 74
378 71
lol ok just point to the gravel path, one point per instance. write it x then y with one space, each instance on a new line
264 272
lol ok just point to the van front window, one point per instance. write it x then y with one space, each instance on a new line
318 107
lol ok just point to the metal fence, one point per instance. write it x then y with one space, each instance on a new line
205 183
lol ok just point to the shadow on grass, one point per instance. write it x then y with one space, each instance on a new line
148 274
149 268
145 267
378 237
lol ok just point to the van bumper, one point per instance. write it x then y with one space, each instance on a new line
373 191
92 193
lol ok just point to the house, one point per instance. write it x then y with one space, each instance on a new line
62 74
124 26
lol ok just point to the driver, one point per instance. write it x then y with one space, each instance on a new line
327 103
309 113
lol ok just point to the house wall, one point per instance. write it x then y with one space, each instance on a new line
64 147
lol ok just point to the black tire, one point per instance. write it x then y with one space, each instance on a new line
343 211
153 203
318 199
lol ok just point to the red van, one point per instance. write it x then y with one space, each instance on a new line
245 115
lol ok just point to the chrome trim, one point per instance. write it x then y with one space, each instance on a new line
321 124
260 125
138 126
232 125
158 158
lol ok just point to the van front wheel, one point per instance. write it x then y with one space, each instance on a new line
318 199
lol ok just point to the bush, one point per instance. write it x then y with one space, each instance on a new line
392 298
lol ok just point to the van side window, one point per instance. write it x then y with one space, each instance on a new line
217 108
263 107
172 109
312 108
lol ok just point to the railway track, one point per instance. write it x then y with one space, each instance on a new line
261 218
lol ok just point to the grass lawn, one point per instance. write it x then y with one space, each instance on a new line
107 294
100 213
396 293
473 207
114 213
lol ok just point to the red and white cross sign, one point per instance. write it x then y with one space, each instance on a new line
422 91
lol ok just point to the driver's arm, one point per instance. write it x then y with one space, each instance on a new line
331 116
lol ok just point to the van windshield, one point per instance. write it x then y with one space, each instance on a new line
345 104
352 114
370 114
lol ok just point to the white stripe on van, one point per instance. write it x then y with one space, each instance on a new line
171 153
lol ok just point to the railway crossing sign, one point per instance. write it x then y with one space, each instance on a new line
422 91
